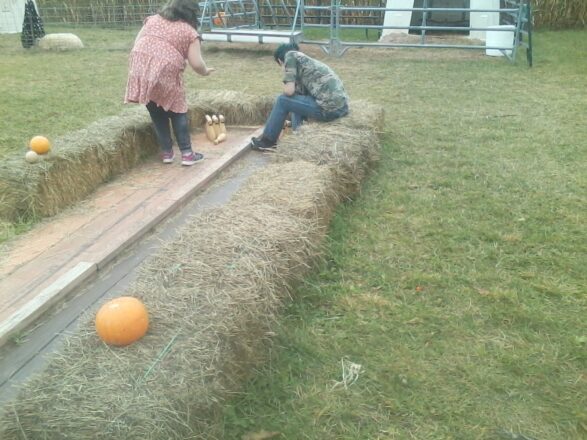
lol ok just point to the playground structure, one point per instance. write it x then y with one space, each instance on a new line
265 21
242 21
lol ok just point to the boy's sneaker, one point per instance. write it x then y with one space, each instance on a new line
191 158
263 144
167 156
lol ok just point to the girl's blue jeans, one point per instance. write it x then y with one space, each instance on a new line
180 124
301 107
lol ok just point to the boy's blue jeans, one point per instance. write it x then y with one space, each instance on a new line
301 107
180 124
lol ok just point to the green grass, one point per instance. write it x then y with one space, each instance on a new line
456 279
53 93
323 34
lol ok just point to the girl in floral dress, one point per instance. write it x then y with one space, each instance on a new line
167 43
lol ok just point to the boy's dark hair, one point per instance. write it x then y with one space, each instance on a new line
185 10
280 52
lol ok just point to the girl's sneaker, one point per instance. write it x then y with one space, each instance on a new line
167 156
191 158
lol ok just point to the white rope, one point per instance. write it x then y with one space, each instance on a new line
350 373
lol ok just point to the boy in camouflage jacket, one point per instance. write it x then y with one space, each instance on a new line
311 90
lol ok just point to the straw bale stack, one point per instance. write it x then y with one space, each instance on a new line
214 294
76 165
82 160
237 108
315 199
60 42
349 156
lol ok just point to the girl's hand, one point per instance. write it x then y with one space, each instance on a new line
209 70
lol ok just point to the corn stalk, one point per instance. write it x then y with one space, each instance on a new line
558 14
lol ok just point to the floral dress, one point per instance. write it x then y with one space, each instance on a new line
157 62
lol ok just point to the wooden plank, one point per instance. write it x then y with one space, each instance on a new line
30 245
185 183
30 276
45 299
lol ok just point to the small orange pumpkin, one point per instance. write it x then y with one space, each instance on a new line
40 144
122 321
219 19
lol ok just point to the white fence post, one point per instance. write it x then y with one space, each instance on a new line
397 18
483 19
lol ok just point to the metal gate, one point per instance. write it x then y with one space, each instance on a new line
514 18
287 20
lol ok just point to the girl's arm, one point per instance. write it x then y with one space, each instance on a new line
196 61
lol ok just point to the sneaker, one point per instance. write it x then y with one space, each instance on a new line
167 156
191 158
263 144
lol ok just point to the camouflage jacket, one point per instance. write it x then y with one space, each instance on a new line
314 78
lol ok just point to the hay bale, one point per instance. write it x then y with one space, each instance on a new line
82 160
349 146
76 165
237 108
60 42
301 188
365 115
214 294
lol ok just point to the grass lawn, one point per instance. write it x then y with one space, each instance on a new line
456 280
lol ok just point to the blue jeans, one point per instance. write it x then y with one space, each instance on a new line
180 124
301 107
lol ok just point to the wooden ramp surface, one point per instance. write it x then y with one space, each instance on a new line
42 266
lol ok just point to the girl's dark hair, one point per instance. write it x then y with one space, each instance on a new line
280 52
185 10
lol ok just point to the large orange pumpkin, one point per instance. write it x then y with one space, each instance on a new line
40 144
122 321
